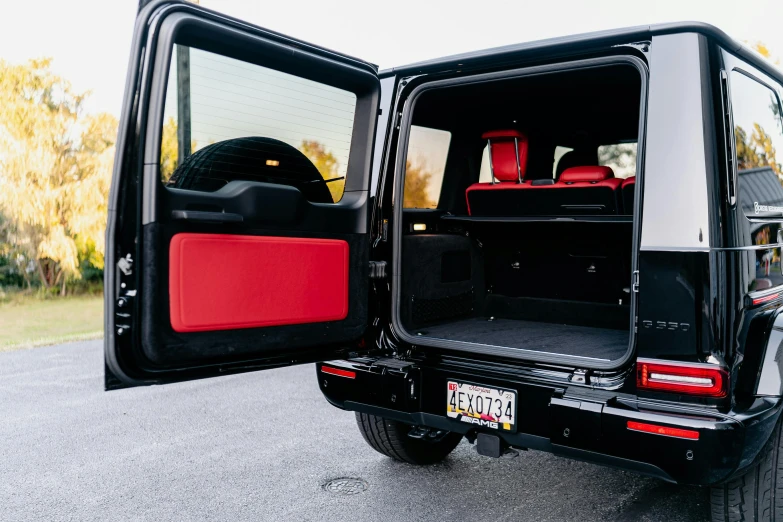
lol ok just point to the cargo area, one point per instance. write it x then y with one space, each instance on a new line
523 234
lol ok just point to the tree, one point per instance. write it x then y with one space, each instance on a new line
169 148
326 164
55 170
621 157
756 150
763 50
417 182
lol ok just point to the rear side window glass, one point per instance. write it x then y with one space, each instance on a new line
485 173
560 151
758 137
620 157
425 166
227 120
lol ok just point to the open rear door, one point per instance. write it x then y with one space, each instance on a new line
237 235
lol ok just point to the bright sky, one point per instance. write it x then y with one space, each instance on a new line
90 39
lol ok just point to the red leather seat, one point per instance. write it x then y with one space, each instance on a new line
587 190
508 163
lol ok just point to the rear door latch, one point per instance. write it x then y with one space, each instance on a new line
377 269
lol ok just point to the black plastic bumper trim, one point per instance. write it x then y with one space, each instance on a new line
515 439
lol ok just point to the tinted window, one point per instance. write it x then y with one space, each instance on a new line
560 151
425 166
230 120
485 173
620 157
757 136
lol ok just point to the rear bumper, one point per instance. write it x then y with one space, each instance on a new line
581 423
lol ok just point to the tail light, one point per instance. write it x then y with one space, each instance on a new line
338 372
705 380
764 299
663 430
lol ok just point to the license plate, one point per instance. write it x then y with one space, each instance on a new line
481 405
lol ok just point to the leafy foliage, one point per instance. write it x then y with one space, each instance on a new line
621 157
169 149
756 150
763 50
326 164
417 181
55 170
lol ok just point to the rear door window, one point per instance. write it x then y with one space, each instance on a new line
257 123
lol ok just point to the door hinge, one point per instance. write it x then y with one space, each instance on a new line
579 376
125 264
635 284
377 269
123 305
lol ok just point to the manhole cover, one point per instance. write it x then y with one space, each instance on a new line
346 486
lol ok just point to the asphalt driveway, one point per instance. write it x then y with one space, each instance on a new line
262 446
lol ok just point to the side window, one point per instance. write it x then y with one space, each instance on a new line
757 136
425 165
560 151
227 120
758 133
485 173
621 157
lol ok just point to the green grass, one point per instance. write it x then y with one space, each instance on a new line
27 321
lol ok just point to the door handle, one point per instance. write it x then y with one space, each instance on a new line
206 217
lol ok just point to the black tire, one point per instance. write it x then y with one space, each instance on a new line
758 494
391 439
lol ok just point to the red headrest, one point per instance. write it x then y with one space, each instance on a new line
591 174
629 181
504 157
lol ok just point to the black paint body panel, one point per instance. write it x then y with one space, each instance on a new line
697 305
579 423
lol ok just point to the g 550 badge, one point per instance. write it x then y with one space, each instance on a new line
666 325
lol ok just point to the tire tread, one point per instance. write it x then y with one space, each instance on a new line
753 496
390 438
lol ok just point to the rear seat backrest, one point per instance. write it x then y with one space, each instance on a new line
579 191
590 190
628 188
591 175
508 161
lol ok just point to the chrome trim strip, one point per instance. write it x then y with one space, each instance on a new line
765 220
711 249
669 362
754 247
673 249
516 153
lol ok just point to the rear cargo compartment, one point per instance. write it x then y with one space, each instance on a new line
557 294
523 236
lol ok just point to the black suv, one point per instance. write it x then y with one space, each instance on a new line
570 245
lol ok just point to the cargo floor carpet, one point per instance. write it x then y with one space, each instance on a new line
583 341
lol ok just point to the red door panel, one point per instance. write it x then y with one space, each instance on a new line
226 282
